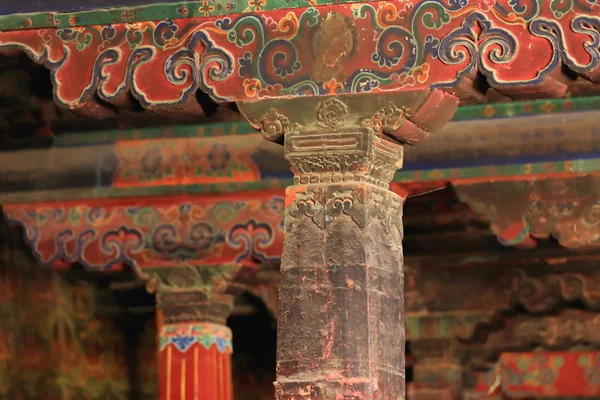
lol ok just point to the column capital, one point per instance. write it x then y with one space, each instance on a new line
402 117
193 306
357 155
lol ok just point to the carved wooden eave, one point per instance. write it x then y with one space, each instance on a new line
535 288
522 212
173 242
255 53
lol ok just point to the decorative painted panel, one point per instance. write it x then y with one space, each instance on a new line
186 161
376 47
154 232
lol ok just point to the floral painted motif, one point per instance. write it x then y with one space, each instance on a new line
184 336
186 161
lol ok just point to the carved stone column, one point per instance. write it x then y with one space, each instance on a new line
194 342
341 319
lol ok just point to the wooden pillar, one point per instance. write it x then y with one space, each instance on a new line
341 328
194 346
341 318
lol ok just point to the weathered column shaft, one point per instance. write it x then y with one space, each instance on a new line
195 347
341 328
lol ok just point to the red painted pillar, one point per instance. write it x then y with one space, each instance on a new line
194 354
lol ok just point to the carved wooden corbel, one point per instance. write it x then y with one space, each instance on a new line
152 232
522 212
538 289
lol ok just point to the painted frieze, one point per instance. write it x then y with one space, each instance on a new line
186 161
154 232
376 47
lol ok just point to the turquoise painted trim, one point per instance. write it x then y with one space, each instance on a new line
152 12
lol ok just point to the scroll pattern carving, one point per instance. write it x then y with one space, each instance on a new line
545 293
409 46
537 292
274 125
166 232
563 331
325 203
565 208
331 113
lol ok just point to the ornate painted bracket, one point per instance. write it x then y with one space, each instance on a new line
153 232
522 212
521 48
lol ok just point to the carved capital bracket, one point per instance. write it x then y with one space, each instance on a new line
154 233
236 54
196 293
522 212
404 117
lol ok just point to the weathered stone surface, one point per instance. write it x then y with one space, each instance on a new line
341 328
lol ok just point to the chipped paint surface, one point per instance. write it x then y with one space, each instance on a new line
341 322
